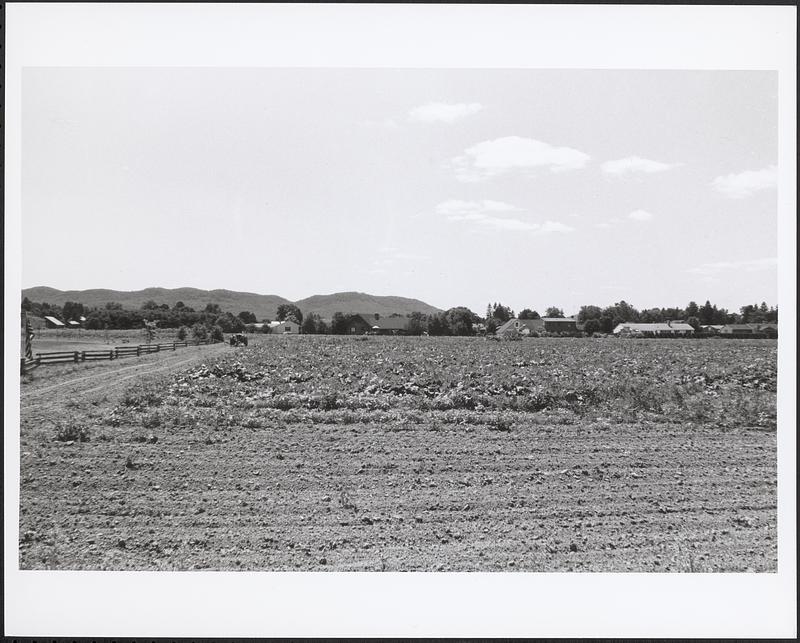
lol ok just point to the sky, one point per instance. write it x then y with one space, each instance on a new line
532 188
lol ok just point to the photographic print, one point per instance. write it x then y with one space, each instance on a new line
399 319
484 399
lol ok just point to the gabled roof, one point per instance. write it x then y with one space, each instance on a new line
530 324
571 320
53 320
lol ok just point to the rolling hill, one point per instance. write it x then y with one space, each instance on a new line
263 306
358 302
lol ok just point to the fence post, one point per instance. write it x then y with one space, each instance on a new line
76 356
83 356
138 351
110 354
22 366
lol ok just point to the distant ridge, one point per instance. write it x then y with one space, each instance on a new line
263 306
358 302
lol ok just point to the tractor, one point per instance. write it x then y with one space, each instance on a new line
239 339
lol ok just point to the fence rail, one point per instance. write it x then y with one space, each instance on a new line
118 352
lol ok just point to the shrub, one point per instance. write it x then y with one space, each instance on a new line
200 331
182 333
71 431
217 334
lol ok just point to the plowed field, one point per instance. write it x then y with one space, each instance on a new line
407 454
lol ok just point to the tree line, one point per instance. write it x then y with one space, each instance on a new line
457 321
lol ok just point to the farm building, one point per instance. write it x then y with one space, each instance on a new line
770 330
284 327
738 329
560 324
521 326
743 331
666 329
712 328
52 322
374 324
543 324
73 324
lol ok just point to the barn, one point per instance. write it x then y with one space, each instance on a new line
566 325
522 327
386 325
52 322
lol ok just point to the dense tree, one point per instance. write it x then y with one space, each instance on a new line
212 309
230 323
217 333
694 322
651 315
150 305
589 312
182 333
501 313
460 320
72 310
692 310
554 312
339 324
289 312
310 325
438 325
591 326
113 305
707 313
200 332
247 317
416 323
607 323
527 313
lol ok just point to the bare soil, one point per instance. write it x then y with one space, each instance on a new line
332 454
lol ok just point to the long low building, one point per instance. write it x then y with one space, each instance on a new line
541 325
665 329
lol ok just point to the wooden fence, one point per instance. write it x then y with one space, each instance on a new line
118 352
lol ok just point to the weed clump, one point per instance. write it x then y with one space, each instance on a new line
71 431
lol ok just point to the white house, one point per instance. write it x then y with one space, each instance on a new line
284 327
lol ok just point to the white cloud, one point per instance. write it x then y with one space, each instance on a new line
747 183
514 153
632 164
749 265
491 214
641 215
443 112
